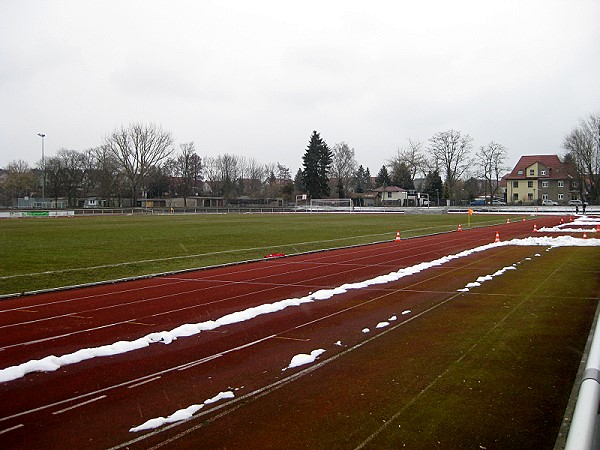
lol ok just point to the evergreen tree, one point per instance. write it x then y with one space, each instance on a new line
401 176
299 182
317 162
383 179
368 181
359 183
433 185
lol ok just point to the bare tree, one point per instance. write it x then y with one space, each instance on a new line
20 180
343 167
412 157
283 173
138 148
186 167
73 165
109 181
223 174
583 144
490 162
451 152
55 177
256 174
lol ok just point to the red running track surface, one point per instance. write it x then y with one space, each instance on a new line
93 404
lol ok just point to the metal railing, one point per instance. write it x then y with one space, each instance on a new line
582 432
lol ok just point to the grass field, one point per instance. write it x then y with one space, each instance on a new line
45 253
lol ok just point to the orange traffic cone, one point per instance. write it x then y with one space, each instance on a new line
398 236
585 235
561 221
598 228
534 228
508 220
497 237
570 218
459 227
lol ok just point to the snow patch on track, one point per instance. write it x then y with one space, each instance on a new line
52 362
303 358
181 414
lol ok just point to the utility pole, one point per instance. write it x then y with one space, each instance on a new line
42 135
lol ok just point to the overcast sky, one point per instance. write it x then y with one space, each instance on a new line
255 78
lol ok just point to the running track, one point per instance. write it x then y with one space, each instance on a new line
93 404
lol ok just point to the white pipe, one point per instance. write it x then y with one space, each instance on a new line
583 427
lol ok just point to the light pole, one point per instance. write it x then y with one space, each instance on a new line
42 135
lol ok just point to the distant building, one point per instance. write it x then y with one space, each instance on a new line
390 195
397 196
540 177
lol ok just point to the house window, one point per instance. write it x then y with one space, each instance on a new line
531 171
561 197
544 196
530 184
389 195
542 172
544 184
515 184
561 184
520 172
515 197
574 185
530 196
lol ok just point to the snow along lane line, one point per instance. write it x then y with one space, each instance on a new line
181 414
186 413
139 380
52 362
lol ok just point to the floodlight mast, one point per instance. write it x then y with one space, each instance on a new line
42 135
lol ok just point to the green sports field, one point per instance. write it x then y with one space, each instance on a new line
46 253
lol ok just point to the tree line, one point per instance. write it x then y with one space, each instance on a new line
140 160
447 154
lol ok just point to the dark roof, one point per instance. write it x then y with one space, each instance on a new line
556 169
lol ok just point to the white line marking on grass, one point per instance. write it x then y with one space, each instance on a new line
52 363
392 419
60 411
173 258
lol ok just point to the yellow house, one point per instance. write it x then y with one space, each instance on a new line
541 177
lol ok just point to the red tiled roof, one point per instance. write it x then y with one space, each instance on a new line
557 170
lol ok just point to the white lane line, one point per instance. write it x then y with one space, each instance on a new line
291 338
143 382
12 428
200 361
234 404
60 411
126 383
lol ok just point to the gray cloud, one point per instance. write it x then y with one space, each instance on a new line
255 78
